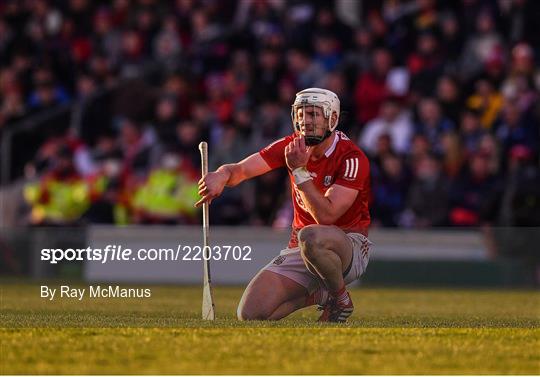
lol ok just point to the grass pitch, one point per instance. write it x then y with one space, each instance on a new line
393 331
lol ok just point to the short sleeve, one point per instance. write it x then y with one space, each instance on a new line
274 154
353 171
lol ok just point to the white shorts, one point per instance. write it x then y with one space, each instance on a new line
289 263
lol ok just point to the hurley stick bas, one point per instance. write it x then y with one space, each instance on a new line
208 308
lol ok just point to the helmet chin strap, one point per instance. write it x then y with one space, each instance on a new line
316 140
313 140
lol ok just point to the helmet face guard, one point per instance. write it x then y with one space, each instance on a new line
324 99
316 137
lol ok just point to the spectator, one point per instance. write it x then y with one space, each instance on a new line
132 56
425 64
136 148
420 147
268 71
392 121
108 205
494 69
488 146
471 131
46 92
520 83
383 148
452 154
272 122
188 134
257 17
427 200
168 193
517 128
178 87
166 118
106 39
337 83
468 194
240 75
327 23
304 71
102 70
327 53
389 192
487 101
479 45
358 59
96 114
106 146
451 39
379 28
207 51
13 108
431 122
371 89
61 196
220 101
231 207
449 97
167 44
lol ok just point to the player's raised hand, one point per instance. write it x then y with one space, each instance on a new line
211 186
297 154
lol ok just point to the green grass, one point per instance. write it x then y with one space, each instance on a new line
393 331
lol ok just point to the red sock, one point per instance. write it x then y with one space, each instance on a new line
315 298
310 299
341 296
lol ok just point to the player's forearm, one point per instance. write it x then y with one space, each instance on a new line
234 174
318 205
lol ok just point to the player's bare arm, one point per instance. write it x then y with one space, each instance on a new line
325 208
230 175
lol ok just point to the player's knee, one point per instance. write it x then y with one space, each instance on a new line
310 240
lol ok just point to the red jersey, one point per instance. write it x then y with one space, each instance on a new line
342 164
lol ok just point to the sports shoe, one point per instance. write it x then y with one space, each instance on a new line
334 312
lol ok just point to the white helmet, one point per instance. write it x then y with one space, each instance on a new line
323 98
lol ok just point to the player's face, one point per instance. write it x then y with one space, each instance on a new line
311 120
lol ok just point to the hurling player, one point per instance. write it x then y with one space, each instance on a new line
330 189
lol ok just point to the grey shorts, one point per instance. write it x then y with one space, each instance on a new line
289 263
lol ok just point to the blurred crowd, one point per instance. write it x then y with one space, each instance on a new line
442 96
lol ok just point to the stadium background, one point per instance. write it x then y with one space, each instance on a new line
103 104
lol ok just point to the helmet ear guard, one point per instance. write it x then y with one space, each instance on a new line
327 100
